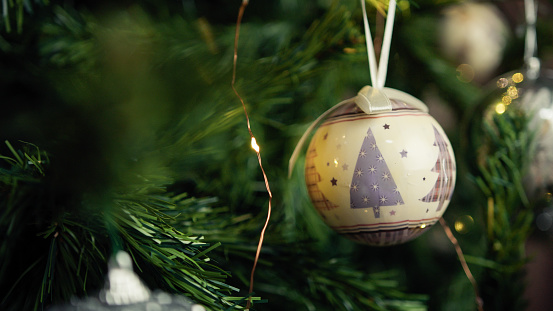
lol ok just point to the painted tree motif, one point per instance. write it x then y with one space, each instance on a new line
443 189
372 184
312 179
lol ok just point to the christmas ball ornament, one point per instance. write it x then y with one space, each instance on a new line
515 118
380 177
474 34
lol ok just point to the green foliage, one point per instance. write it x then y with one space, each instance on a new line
504 145
132 103
135 86
70 248
59 248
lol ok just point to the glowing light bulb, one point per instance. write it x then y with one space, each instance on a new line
463 224
255 146
502 83
500 108
518 77
506 100
512 92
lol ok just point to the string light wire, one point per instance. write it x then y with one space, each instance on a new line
479 301
254 144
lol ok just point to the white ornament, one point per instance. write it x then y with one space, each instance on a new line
474 34
380 179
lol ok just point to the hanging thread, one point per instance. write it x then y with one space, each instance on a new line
254 146
451 237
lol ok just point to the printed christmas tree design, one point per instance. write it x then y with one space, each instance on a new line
312 179
443 189
372 184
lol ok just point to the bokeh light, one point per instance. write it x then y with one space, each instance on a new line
518 77
463 224
500 108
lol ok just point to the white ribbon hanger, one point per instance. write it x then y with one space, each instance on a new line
371 99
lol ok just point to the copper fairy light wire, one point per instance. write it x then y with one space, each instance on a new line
253 144
459 251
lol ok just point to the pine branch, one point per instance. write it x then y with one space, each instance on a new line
71 252
15 9
292 272
149 226
506 147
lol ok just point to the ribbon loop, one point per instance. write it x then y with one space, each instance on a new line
372 100
378 72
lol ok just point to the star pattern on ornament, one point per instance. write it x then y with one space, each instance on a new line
392 213
334 181
386 126
403 153
373 183
345 167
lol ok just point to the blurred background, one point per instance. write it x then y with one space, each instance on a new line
120 131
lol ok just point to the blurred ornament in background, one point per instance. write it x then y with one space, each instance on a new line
382 178
517 114
473 35
537 100
464 224
544 220
125 291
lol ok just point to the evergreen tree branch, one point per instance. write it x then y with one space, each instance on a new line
509 145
